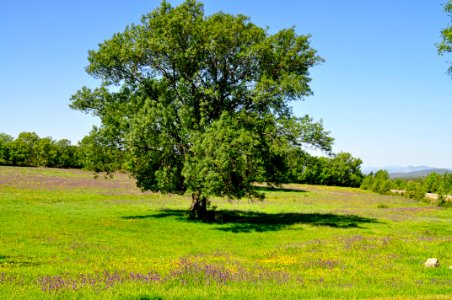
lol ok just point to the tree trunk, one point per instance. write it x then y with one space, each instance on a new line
198 208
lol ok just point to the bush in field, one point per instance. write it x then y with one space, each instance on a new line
398 184
445 186
382 182
432 183
415 191
378 183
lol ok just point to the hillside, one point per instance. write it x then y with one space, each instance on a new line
419 174
66 235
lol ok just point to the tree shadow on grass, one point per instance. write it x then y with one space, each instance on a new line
250 221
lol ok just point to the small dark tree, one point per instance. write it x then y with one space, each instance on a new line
379 182
368 182
5 148
431 183
203 101
414 191
382 182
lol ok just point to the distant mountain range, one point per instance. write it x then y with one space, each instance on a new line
406 172
420 173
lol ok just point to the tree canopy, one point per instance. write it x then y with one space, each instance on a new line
201 104
446 45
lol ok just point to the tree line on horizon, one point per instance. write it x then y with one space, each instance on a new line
413 188
30 150
94 153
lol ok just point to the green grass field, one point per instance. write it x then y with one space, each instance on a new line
64 234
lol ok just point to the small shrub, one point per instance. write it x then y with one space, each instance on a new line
414 191
382 205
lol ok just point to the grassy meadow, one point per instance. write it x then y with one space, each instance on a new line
64 234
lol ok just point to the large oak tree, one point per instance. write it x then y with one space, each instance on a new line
200 104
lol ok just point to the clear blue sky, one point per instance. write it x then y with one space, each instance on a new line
383 91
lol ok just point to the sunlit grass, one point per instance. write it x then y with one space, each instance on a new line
59 229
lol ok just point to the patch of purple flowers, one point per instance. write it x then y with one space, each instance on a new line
187 271
192 271
197 272
5 278
105 279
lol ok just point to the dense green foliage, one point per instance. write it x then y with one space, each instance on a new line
434 183
28 149
65 235
379 183
446 45
341 169
95 153
200 103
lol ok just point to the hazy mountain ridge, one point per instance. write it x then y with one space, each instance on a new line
417 174
405 172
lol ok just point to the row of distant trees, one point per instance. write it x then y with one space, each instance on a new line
380 182
30 150
97 154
